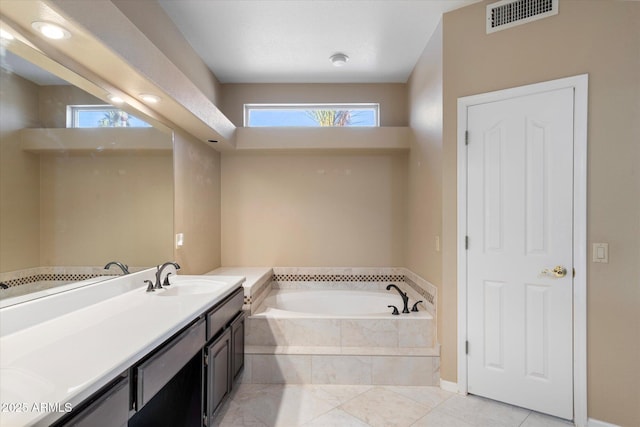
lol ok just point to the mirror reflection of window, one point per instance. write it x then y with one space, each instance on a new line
100 116
71 200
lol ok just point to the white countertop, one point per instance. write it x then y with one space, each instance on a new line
253 275
65 359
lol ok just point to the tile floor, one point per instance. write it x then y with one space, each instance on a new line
271 405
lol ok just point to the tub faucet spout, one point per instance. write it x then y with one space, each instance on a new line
123 267
405 297
158 284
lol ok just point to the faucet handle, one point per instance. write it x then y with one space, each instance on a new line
415 306
166 279
395 310
149 286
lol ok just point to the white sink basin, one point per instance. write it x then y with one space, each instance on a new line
185 285
191 289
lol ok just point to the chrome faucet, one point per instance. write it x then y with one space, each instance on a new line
405 297
123 267
158 284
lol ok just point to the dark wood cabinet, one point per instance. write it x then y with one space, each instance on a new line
237 342
218 373
108 408
184 381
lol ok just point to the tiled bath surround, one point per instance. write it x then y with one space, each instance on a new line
399 350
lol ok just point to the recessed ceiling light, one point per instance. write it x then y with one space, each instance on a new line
150 98
338 59
115 99
51 31
6 35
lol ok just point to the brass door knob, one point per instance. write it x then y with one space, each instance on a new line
558 271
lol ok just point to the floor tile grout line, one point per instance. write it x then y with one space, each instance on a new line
525 419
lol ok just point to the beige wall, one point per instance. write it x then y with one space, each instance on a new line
54 100
425 167
391 97
425 170
313 209
197 204
98 207
601 38
19 176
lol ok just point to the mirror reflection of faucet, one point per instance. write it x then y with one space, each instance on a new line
123 267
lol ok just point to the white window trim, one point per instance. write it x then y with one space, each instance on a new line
311 106
72 111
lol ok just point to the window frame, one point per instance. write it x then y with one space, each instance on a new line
310 106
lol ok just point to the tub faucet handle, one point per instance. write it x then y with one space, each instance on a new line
415 306
149 286
395 310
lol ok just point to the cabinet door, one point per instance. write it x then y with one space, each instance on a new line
218 384
237 342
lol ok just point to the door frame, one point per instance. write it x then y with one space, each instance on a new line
580 85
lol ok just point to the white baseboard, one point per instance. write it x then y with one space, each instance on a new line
596 423
449 386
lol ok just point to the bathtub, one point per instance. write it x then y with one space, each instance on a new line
324 303
321 335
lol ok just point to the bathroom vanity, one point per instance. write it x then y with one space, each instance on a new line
168 357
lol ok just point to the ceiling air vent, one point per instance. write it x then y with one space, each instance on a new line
509 13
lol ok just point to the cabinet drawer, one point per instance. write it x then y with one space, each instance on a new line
109 410
220 316
154 373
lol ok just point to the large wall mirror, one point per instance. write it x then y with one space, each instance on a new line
72 199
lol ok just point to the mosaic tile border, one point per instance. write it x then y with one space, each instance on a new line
423 292
58 274
338 278
54 277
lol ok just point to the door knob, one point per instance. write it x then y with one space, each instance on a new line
558 271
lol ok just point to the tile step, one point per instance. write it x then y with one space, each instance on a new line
344 351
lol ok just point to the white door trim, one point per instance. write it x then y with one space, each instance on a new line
580 85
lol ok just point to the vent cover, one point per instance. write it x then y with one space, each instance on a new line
509 13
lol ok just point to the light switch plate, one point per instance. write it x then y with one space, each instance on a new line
179 240
601 252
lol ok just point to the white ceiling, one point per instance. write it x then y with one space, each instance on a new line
290 41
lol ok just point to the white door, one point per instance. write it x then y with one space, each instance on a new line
519 227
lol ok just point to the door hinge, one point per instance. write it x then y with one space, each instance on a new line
466 242
574 272
466 137
466 347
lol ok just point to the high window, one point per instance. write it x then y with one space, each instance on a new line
95 116
311 115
